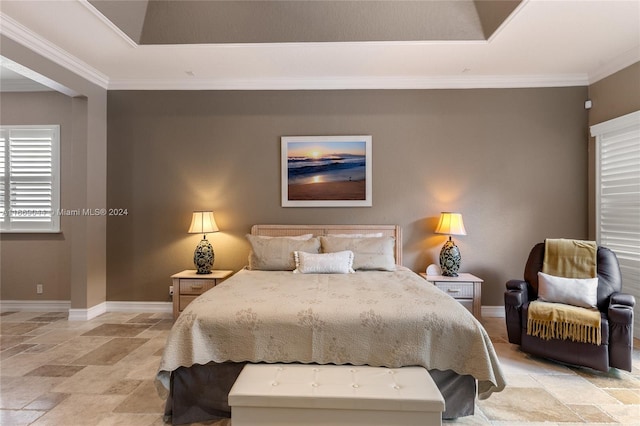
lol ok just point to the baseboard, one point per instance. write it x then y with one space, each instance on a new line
84 314
87 314
145 307
493 311
35 305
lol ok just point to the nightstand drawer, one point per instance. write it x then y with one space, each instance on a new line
185 300
457 290
195 286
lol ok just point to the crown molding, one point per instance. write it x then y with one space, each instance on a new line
23 85
616 64
357 83
113 27
24 36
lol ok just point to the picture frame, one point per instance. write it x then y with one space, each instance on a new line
326 171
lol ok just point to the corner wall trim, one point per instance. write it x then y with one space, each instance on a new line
87 314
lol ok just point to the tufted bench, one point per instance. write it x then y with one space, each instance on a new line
337 395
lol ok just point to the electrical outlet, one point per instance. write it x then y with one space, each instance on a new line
170 290
39 289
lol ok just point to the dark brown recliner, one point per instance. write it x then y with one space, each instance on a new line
616 310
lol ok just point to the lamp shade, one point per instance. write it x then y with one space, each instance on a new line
203 222
451 224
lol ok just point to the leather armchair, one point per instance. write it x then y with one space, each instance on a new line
616 311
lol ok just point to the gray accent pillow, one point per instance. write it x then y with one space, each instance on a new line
276 253
372 253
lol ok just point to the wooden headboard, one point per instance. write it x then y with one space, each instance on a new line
323 230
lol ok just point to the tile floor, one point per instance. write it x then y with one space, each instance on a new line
100 372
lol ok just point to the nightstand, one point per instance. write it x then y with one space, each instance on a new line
465 288
187 285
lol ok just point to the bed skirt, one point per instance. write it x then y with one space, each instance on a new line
199 393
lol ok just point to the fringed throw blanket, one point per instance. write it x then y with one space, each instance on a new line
559 321
570 259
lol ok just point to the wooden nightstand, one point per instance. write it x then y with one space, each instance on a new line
187 285
465 288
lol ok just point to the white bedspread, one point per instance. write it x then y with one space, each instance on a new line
391 319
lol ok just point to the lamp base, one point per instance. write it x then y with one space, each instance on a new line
203 257
450 259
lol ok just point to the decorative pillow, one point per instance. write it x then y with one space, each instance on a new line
582 292
373 253
324 263
276 253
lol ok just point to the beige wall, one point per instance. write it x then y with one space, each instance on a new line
30 259
612 97
513 161
87 189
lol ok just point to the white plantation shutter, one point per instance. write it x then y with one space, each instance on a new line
618 197
29 164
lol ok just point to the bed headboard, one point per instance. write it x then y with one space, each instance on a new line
323 230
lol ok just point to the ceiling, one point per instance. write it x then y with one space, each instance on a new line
282 45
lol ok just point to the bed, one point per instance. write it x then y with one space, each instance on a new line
280 309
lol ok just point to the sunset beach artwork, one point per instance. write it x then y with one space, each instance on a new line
326 171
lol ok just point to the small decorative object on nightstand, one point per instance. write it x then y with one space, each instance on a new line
450 224
465 288
203 223
187 285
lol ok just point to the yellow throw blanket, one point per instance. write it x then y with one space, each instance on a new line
570 258
559 321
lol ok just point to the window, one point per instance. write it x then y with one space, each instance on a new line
618 195
29 178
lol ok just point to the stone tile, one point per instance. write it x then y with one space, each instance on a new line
80 410
47 401
39 348
111 352
117 330
8 341
15 350
17 392
613 379
524 404
93 379
144 399
19 417
7 313
625 396
514 361
575 390
56 335
591 413
19 328
55 370
625 414
50 317
126 419
123 387
144 319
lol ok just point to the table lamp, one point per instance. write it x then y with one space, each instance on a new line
450 224
203 223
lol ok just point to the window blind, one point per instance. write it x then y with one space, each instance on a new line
29 167
618 196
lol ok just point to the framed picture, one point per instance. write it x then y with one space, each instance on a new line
326 171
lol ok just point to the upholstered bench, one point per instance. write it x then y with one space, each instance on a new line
337 395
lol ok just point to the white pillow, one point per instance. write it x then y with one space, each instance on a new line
582 292
324 263
368 253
